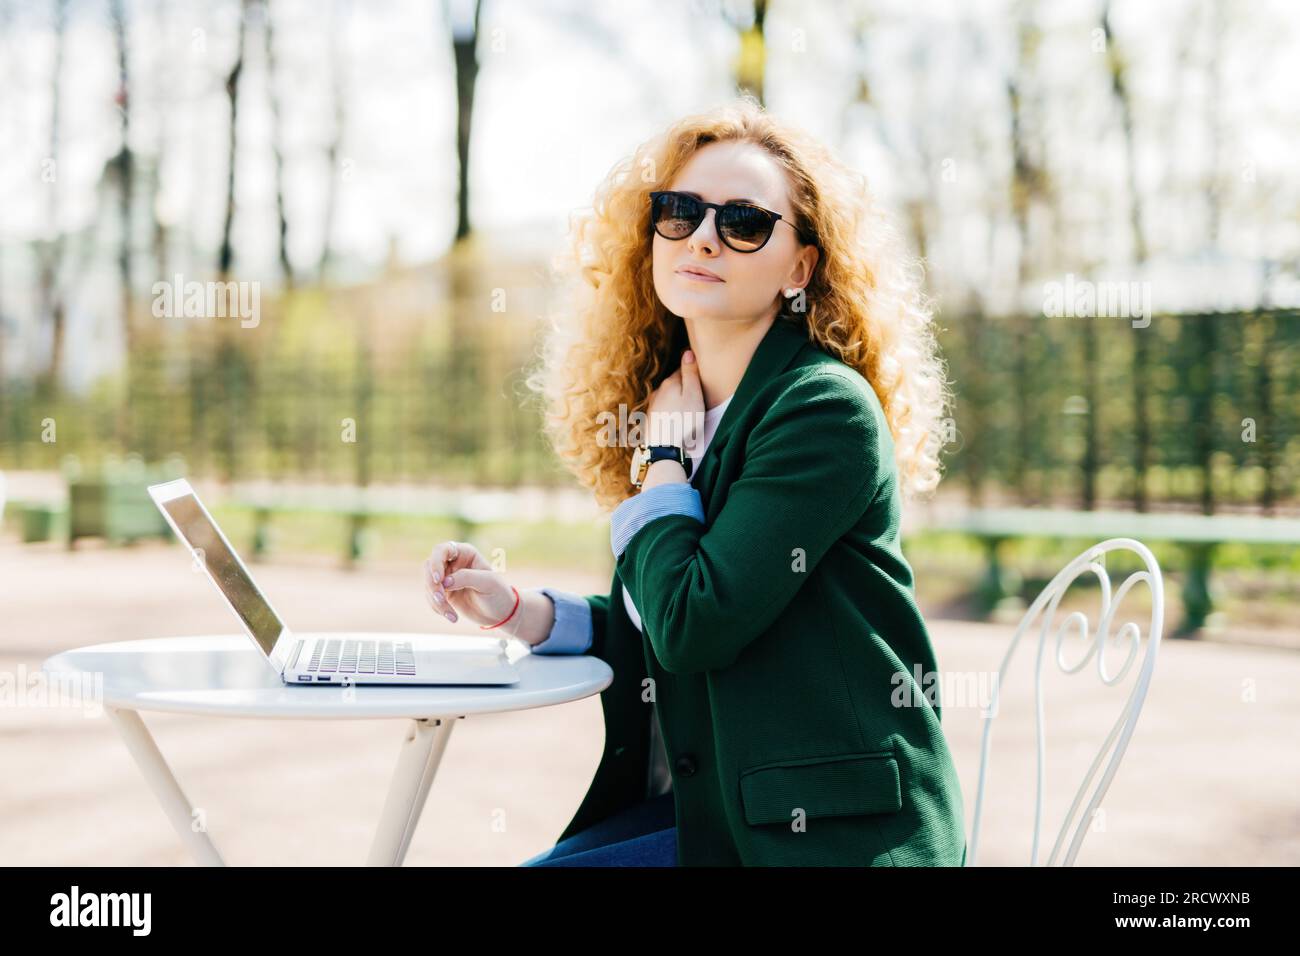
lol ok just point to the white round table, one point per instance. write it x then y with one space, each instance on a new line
227 675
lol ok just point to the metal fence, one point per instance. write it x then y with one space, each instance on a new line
1047 411
1072 411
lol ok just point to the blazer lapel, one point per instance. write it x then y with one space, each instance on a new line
776 349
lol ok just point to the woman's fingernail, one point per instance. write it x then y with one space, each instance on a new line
451 617
447 583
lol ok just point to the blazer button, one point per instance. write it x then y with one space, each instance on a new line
685 765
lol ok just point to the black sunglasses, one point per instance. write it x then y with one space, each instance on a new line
742 226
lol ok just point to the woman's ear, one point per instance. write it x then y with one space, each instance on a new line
801 272
810 254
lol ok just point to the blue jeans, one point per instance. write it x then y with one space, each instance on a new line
642 835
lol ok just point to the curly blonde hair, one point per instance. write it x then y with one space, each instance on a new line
612 342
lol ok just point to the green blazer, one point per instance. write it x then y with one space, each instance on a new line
795 681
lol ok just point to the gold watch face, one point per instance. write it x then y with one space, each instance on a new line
638 455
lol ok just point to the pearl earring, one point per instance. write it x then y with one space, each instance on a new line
789 293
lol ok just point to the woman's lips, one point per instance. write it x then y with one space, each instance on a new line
696 276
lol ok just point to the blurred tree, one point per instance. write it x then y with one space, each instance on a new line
749 67
464 267
1203 430
1117 66
159 232
1027 187
334 28
49 250
277 130
4 319
225 258
121 170
463 26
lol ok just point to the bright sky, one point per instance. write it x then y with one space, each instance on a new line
568 87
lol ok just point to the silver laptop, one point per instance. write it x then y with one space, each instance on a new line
330 659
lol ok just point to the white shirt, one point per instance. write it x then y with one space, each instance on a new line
711 418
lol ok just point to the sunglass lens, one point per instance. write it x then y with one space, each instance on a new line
745 228
676 216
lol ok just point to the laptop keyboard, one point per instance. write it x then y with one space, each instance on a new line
342 656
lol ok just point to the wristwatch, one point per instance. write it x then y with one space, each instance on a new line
646 455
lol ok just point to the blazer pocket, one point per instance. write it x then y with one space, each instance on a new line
847 785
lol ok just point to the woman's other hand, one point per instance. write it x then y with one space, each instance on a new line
459 581
681 399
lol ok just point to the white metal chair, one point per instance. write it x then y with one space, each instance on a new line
1045 607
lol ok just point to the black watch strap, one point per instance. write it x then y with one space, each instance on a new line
670 453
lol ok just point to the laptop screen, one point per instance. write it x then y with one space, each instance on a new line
225 568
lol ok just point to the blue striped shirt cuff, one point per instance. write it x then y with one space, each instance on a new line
572 631
670 498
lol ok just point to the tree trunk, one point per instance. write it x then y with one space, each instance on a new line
751 61
465 50
1141 428
268 36
50 252
226 257
336 141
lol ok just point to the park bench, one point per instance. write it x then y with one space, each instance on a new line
112 501
1197 534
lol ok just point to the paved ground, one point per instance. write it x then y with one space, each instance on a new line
1210 776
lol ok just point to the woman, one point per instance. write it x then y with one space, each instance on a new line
774 699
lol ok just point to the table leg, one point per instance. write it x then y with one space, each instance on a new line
421 752
163 783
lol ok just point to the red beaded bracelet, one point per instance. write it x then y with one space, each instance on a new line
488 627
